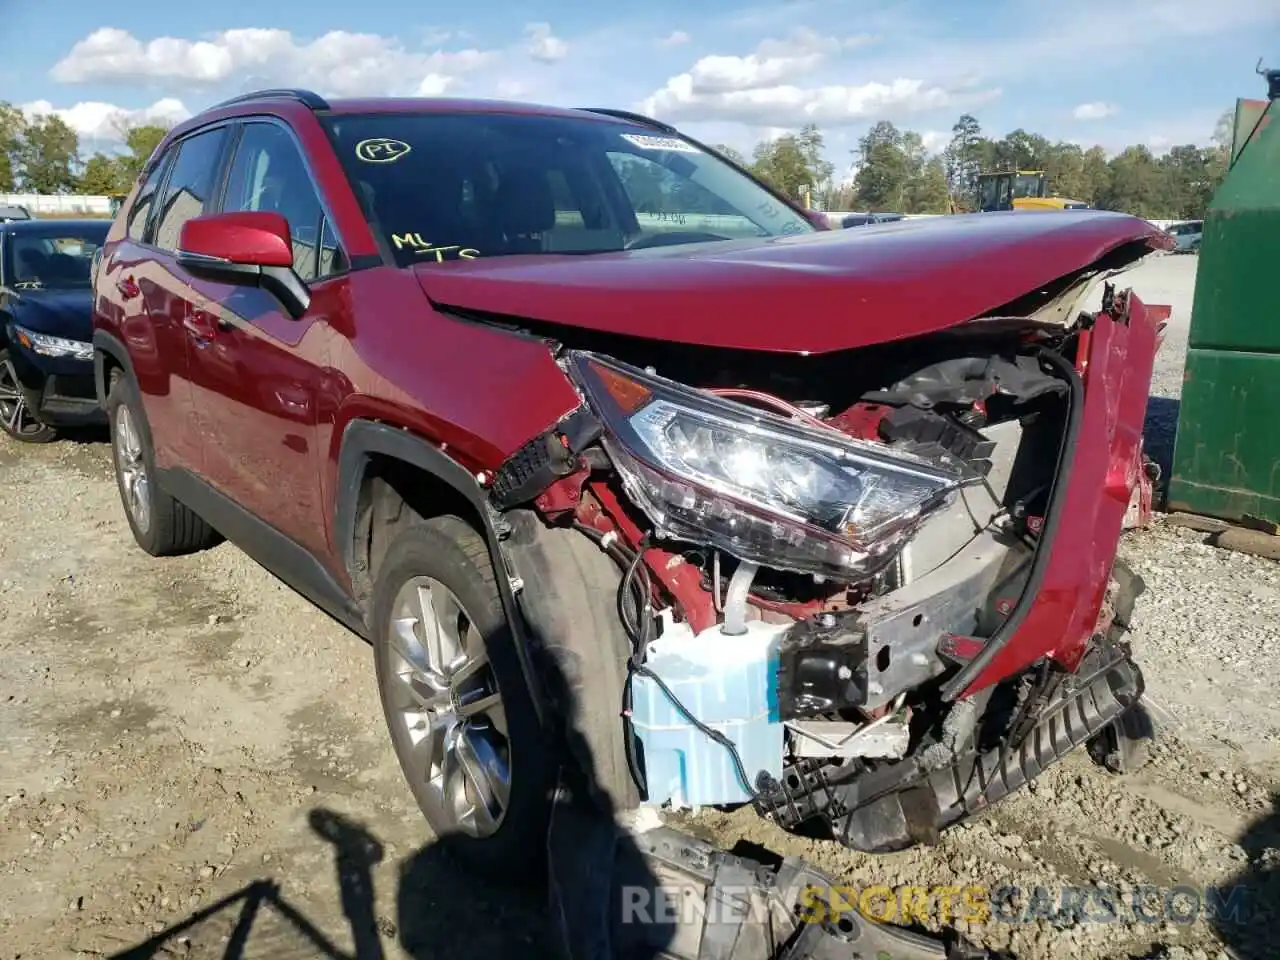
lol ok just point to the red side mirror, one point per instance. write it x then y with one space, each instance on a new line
250 237
249 248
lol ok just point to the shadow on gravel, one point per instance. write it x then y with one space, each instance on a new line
1247 924
444 911
1158 435
90 436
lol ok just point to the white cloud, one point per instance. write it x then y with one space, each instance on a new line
435 85
94 120
544 45
934 140
675 39
720 74
774 60
1095 111
338 63
765 87
790 105
512 89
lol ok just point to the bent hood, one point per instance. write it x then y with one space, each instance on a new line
59 313
813 293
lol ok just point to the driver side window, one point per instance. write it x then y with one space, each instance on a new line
268 174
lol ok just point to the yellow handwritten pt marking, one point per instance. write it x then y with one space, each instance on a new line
381 150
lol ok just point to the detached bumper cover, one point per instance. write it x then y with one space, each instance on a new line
660 894
1059 613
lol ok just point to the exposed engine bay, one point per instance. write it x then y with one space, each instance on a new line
818 555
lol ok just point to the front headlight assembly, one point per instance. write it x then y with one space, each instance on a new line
760 487
50 346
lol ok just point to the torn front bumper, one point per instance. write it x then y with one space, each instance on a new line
908 803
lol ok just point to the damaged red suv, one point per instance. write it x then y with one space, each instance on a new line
624 465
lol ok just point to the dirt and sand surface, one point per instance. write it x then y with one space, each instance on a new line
186 743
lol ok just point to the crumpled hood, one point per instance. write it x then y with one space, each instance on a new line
59 313
813 293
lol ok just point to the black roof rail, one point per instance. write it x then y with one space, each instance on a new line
312 100
638 118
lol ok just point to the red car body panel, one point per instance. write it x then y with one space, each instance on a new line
257 403
1105 469
805 294
416 372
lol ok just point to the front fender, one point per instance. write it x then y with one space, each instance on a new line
362 439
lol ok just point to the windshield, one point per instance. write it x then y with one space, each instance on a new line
53 260
1028 185
438 187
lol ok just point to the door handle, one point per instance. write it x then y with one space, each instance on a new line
202 325
128 287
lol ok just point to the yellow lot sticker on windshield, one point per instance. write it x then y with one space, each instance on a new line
422 247
381 150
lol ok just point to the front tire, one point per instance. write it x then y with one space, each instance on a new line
461 718
16 418
161 525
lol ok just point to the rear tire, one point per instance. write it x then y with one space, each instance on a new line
161 525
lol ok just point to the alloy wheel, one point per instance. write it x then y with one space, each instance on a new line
135 483
443 696
15 415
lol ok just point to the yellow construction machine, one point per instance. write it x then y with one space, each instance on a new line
1020 190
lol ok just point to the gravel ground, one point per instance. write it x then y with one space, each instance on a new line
183 737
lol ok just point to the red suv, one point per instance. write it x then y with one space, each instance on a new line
623 466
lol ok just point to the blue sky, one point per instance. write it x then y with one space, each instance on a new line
1112 72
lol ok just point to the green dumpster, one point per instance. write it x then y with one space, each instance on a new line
1226 460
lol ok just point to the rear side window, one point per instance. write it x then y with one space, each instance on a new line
268 174
137 226
190 189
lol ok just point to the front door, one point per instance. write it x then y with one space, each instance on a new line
256 371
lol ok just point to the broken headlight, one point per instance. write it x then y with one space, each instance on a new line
756 485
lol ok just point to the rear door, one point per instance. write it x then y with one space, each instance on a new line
130 289
255 369
189 190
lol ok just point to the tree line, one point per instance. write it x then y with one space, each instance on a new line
895 172
42 155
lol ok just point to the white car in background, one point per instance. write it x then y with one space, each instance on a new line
1187 235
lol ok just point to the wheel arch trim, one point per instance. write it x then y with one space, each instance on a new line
107 344
363 439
